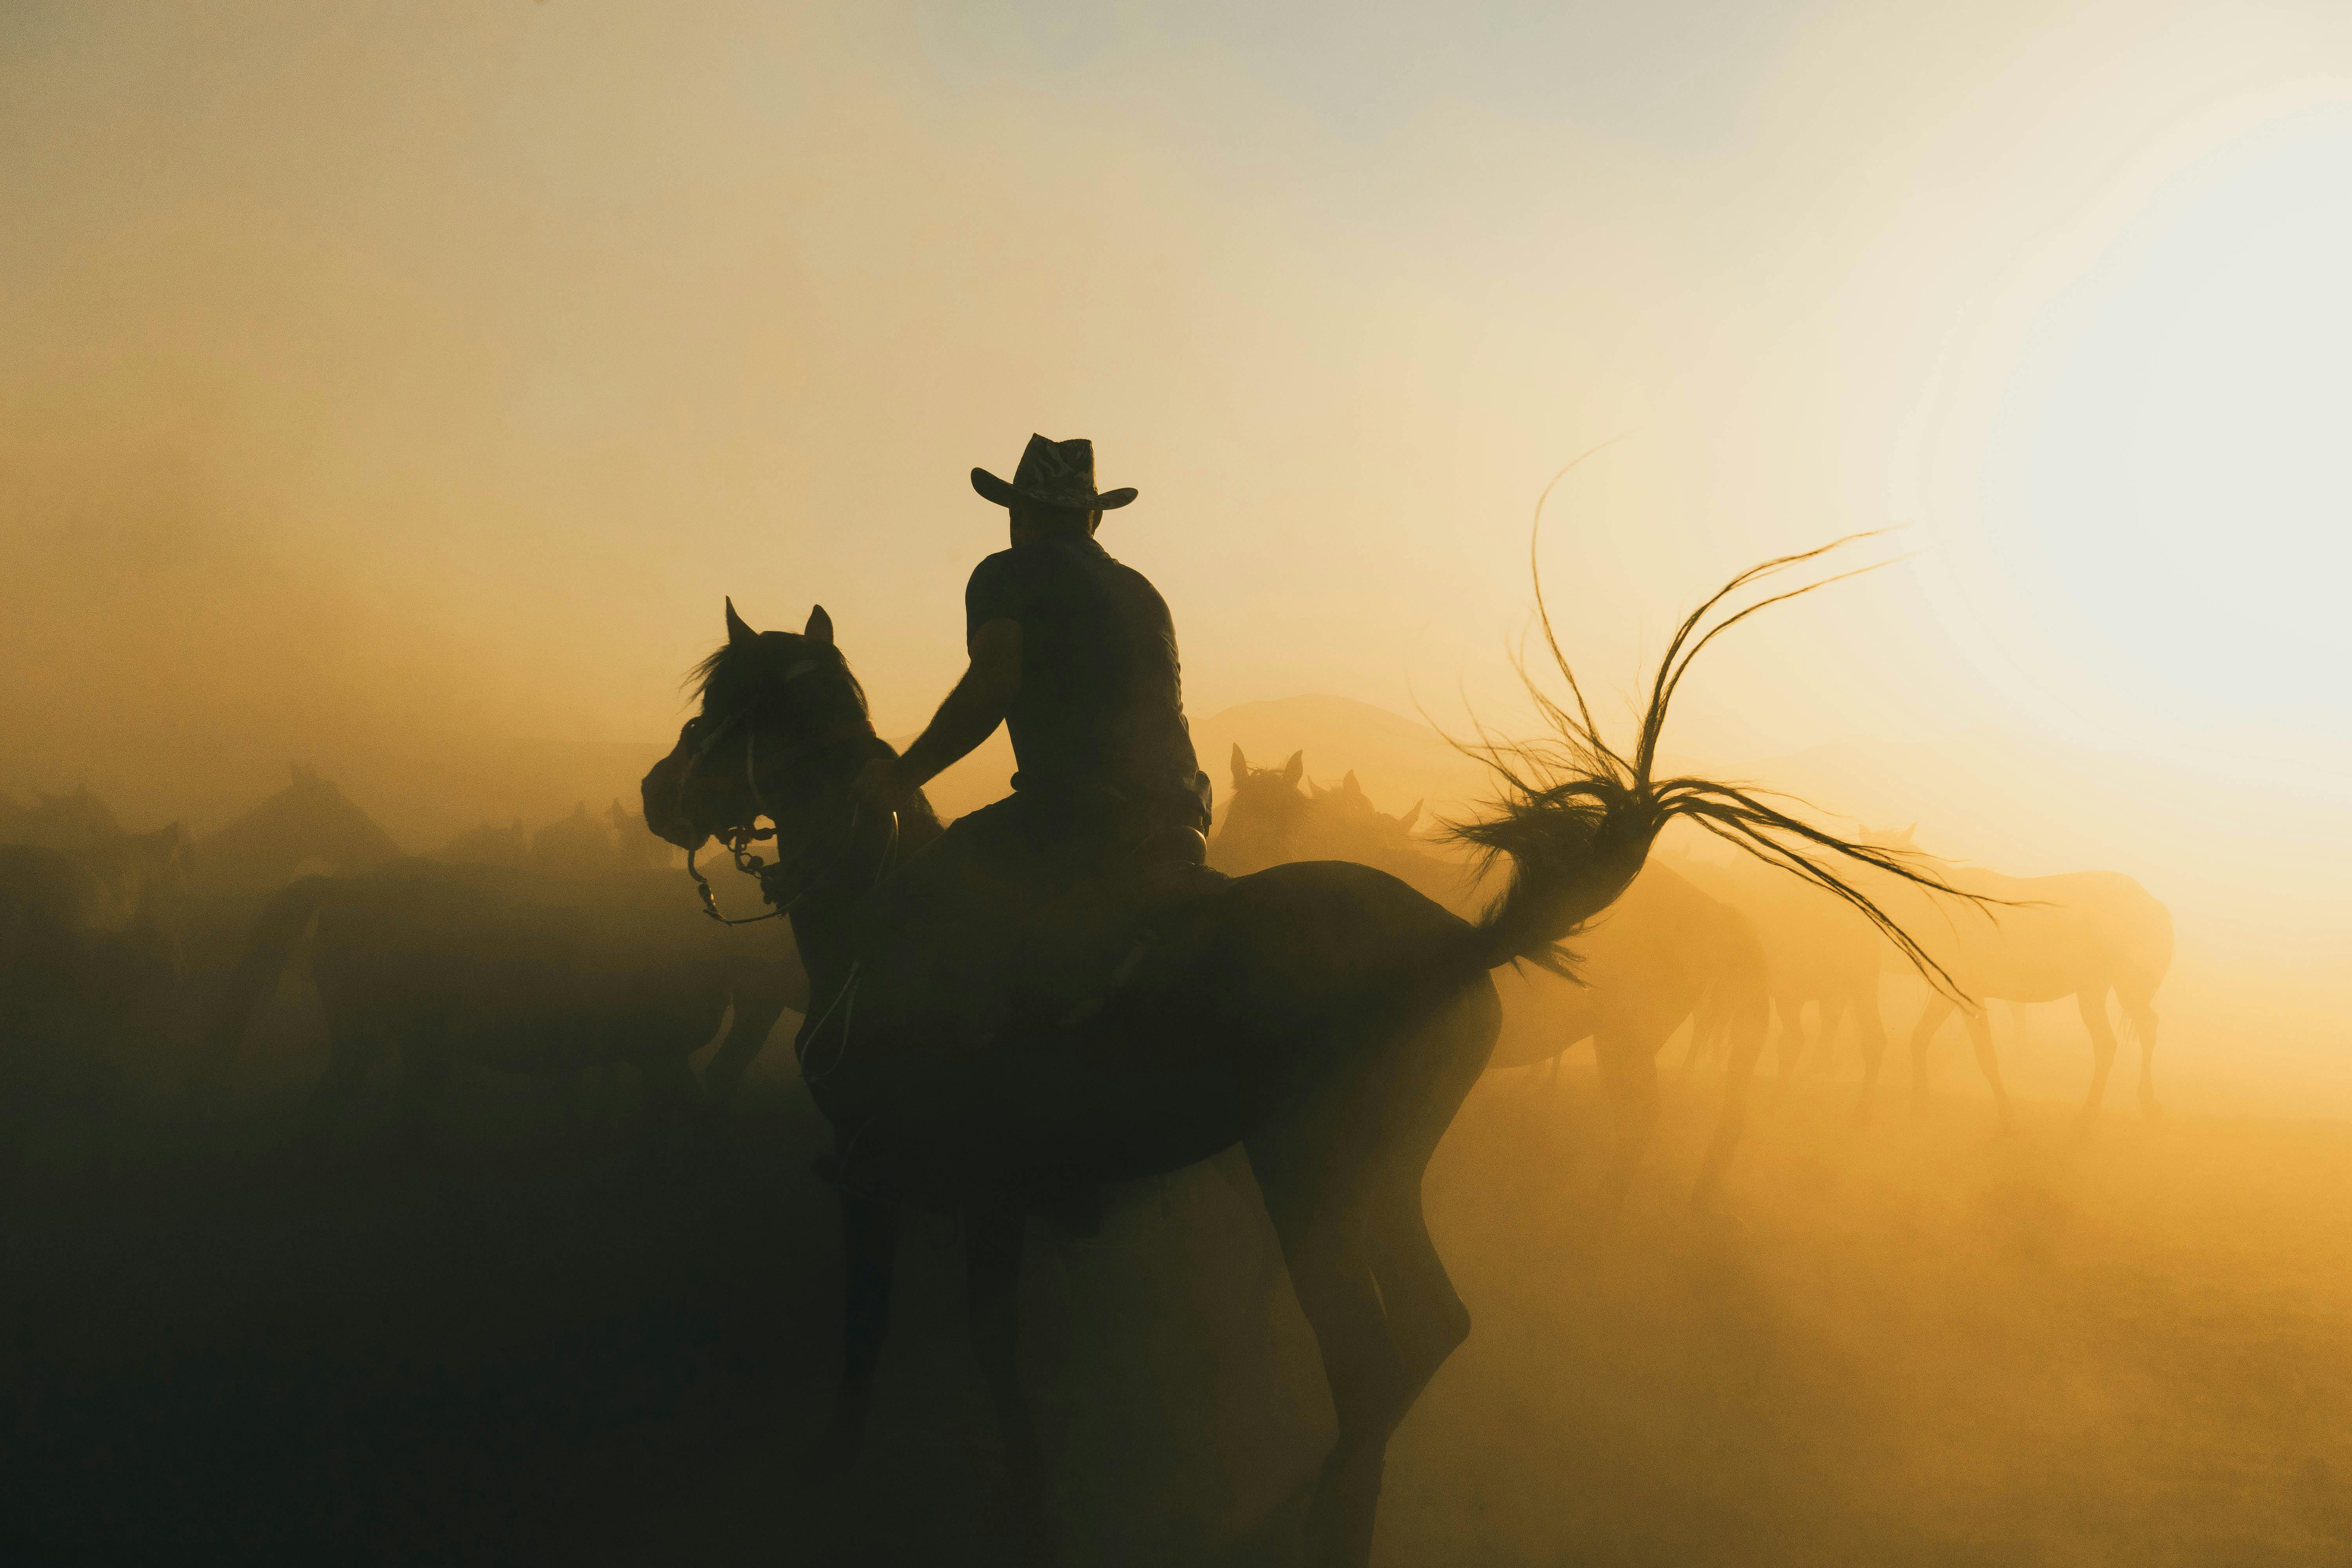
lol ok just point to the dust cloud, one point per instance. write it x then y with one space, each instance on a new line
394 395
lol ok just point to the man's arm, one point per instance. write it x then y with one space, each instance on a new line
969 716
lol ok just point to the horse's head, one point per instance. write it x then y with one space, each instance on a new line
1263 816
310 822
68 821
777 737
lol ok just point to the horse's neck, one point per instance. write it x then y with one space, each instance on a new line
822 920
241 855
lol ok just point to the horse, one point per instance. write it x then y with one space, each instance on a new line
2085 934
311 822
68 821
511 969
88 958
1325 1016
308 826
1665 952
1816 952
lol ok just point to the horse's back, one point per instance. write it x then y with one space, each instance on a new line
2071 933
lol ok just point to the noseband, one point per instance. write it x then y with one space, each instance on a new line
807 869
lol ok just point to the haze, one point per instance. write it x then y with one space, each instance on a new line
389 385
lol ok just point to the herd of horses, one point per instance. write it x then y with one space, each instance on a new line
1741 953
142 960
1326 1007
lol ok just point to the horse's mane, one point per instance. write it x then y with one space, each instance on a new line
768 657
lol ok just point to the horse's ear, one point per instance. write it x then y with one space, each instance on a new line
1315 791
1348 785
1240 766
1410 818
1294 769
738 634
819 628
1908 832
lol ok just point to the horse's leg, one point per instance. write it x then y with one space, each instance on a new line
2139 1011
1629 1076
1870 1032
753 1016
2091 1001
1427 1321
1702 1035
1731 1122
993 1256
1315 1196
1790 1041
1931 1018
1979 1025
1832 1009
869 1236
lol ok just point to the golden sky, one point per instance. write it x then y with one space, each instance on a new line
433 369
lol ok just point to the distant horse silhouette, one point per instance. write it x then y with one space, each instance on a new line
509 970
572 846
89 957
1816 951
68 821
633 842
1273 810
2085 934
1663 953
1324 1016
309 824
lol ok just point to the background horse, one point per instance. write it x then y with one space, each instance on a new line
88 965
1817 951
1664 955
2085 934
507 970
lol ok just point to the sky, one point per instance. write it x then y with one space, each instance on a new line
414 378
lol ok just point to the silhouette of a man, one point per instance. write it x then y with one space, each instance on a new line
1076 654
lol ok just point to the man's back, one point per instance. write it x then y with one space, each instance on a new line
1101 695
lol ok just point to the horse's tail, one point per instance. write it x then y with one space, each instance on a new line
1562 873
1576 817
1736 1009
269 949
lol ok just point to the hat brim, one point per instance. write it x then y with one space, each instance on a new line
1003 494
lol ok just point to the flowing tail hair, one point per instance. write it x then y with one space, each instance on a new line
276 934
1575 818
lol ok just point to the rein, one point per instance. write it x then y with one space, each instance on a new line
739 843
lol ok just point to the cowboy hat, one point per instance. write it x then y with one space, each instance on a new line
1052 473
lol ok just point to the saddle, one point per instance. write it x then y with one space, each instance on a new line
1055 971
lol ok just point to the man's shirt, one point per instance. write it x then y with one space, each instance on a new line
1101 695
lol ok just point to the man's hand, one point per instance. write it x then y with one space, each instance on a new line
882 788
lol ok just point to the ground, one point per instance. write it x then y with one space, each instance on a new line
1917 1343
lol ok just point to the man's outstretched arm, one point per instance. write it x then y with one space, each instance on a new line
969 716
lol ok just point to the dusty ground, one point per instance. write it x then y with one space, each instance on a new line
1914 1343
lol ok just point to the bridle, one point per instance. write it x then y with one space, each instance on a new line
808 869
